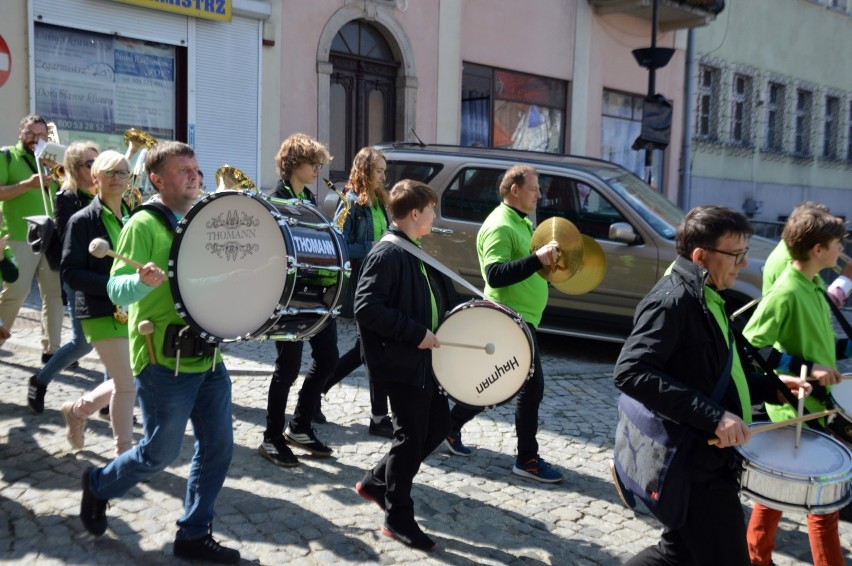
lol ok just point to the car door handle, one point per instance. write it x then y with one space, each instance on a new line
441 230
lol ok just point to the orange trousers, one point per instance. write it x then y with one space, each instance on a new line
823 535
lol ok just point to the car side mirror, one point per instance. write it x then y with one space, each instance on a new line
622 232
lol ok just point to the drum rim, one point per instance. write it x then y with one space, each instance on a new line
518 319
755 464
180 231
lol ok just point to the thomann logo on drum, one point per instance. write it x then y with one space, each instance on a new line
498 371
314 246
226 228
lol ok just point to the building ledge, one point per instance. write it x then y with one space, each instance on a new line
672 14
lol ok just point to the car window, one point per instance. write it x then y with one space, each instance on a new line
578 202
416 170
659 212
473 194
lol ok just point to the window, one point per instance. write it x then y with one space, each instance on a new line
708 100
578 202
473 194
96 86
775 117
741 108
831 128
621 124
802 135
512 110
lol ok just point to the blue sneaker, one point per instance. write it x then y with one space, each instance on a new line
454 444
537 469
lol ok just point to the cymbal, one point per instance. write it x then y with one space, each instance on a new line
591 273
570 244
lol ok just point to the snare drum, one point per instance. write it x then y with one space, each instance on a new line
475 377
814 478
242 268
841 396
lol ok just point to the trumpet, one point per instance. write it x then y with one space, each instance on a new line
138 143
340 219
132 197
57 173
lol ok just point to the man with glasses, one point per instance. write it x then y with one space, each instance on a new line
20 196
677 352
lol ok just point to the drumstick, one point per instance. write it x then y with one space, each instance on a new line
100 248
782 424
803 374
489 348
146 328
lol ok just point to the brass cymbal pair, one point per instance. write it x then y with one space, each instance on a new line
580 263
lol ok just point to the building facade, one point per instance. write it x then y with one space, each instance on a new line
773 108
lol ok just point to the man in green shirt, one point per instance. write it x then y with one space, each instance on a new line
20 196
511 278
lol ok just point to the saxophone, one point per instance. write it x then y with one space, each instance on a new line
340 221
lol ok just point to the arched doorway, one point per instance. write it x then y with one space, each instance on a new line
362 93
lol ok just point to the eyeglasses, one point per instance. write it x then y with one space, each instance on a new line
317 165
88 164
121 174
32 134
739 257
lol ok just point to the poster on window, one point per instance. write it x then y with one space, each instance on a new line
96 86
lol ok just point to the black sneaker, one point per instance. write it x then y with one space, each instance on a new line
92 509
104 413
318 417
277 452
382 428
206 549
35 396
409 535
45 358
371 493
307 441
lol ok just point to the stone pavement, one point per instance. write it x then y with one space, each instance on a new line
473 507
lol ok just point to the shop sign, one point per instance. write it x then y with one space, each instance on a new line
5 61
207 9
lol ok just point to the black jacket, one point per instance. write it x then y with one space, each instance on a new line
393 311
67 204
674 356
283 190
82 271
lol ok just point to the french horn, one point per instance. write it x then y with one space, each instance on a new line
138 143
230 178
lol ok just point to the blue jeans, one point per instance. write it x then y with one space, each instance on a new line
68 353
167 403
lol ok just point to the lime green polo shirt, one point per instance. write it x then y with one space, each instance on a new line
21 165
776 263
716 305
380 223
505 236
794 318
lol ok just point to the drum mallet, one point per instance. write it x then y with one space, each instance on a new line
489 348
782 424
800 410
100 248
146 328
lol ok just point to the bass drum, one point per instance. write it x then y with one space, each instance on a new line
235 270
492 374
320 261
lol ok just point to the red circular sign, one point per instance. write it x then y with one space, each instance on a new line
5 61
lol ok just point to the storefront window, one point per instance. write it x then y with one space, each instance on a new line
621 124
512 110
96 86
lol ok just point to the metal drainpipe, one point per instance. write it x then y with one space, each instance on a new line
685 194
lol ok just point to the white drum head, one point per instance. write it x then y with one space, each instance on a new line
230 266
473 376
842 395
818 455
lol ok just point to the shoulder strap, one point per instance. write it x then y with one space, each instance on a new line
841 320
8 155
162 211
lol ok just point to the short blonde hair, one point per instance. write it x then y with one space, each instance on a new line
297 150
107 161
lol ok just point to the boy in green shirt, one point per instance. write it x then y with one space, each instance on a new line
792 325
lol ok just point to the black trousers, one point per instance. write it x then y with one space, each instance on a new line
714 533
287 365
526 410
349 362
421 421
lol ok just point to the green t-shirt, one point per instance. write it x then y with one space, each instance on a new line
145 238
776 263
794 318
505 237
380 223
21 165
716 305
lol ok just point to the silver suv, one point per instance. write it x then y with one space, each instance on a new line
634 224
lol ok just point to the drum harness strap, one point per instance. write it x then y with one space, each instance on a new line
184 335
429 260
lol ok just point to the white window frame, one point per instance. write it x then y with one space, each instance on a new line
803 113
707 105
741 110
775 116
